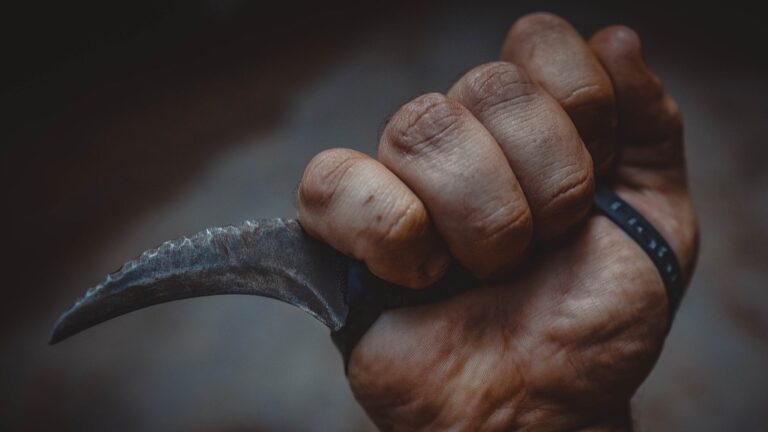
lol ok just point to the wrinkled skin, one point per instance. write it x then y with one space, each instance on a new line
498 174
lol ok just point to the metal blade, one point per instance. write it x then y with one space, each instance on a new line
269 258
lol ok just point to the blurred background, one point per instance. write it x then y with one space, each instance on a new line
126 125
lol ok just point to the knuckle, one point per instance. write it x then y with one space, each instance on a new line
537 22
420 124
404 220
594 96
394 232
575 194
626 40
618 42
323 176
507 221
498 83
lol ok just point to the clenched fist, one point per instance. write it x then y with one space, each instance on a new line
498 174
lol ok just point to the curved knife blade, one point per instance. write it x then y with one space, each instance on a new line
269 258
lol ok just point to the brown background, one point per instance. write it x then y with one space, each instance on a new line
123 126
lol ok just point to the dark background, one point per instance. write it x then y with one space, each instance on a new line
126 125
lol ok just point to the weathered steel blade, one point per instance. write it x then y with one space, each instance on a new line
269 258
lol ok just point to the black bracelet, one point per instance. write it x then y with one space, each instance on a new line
654 245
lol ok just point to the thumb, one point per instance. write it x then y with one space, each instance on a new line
650 170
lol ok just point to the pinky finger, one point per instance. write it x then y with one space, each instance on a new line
650 126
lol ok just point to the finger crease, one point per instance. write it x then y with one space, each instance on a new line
565 191
578 91
397 224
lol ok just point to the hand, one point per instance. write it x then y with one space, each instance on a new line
499 175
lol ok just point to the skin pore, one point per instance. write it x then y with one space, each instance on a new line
498 175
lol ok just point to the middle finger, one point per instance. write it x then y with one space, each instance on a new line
539 140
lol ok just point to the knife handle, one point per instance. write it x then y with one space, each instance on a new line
368 296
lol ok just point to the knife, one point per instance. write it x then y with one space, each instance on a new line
268 258
275 258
